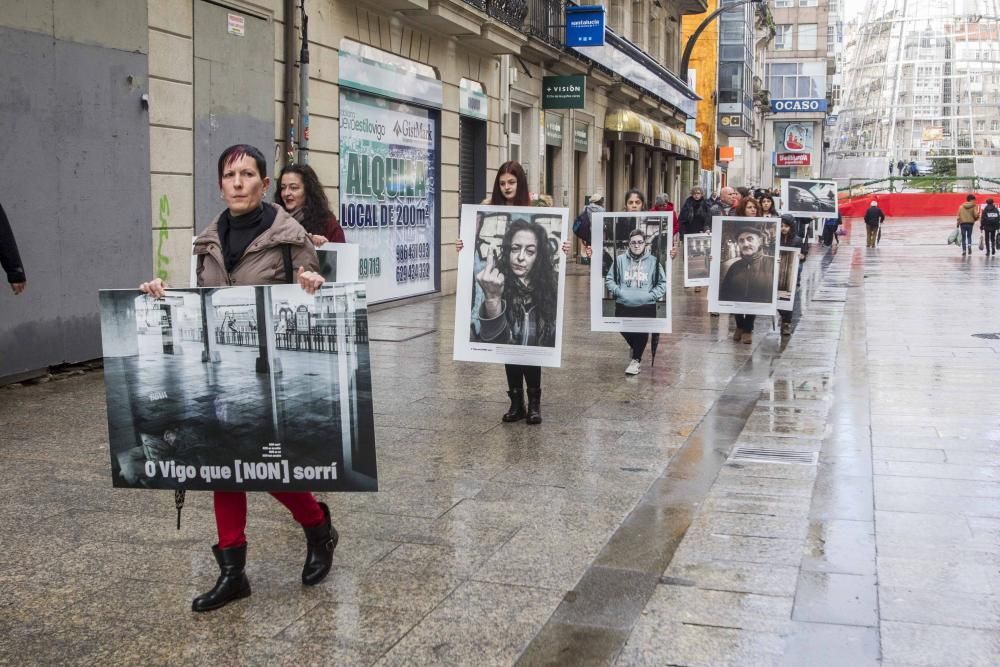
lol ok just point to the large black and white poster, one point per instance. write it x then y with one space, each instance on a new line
744 270
630 284
240 389
788 277
511 280
697 259
809 199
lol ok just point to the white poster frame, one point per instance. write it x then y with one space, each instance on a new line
739 307
466 349
694 282
787 202
600 322
795 253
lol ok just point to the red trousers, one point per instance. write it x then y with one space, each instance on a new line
231 513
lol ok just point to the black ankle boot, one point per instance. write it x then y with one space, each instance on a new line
321 540
516 412
534 406
232 583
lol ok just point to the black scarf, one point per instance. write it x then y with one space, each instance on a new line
237 232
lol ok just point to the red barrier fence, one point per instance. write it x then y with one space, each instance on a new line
911 204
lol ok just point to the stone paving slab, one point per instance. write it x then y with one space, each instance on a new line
617 532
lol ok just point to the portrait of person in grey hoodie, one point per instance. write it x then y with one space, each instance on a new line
637 282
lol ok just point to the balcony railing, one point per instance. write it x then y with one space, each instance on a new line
545 21
511 12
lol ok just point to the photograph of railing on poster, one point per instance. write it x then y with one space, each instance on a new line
511 281
263 388
697 259
788 277
744 269
630 285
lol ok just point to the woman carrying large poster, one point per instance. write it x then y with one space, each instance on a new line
388 193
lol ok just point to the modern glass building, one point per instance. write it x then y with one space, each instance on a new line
922 84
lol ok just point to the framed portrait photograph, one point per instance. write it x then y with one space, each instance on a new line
744 269
697 259
809 199
262 388
511 282
788 276
630 272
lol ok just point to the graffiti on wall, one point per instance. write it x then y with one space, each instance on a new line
162 261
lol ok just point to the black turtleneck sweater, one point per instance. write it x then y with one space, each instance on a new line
237 232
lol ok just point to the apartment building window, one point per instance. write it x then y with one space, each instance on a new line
807 37
803 80
778 4
807 3
995 125
515 134
980 126
640 19
782 37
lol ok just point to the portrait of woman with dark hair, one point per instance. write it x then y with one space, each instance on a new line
520 288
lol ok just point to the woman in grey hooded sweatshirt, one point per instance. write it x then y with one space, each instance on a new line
637 281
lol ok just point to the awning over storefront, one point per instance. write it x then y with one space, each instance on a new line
627 125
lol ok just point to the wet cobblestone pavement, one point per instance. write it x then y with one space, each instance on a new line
643 522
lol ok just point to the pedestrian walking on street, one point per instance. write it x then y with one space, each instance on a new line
899 167
968 214
636 279
246 245
695 216
989 225
518 308
300 193
874 217
789 239
728 199
10 258
749 271
767 209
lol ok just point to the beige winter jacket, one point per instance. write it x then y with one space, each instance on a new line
263 262
968 212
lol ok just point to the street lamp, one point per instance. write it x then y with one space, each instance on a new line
686 58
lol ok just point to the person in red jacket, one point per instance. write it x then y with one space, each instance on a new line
301 194
663 203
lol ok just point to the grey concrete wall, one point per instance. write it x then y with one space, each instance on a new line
74 172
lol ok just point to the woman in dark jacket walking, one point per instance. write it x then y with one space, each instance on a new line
696 216
244 246
516 284
989 224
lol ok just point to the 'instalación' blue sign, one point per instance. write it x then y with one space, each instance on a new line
585 25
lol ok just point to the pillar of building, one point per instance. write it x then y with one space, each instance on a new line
658 187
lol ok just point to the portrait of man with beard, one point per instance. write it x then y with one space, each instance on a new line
750 276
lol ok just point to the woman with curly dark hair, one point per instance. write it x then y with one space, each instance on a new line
519 293
301 194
